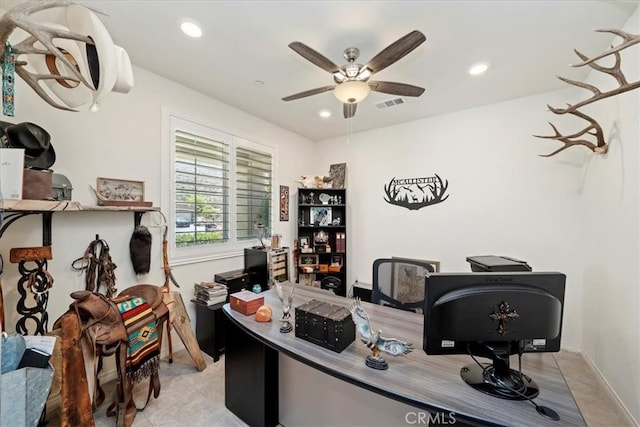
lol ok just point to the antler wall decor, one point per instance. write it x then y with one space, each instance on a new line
592 136
416 193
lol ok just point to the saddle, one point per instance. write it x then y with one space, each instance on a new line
102 324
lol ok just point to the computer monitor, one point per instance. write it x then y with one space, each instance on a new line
494 315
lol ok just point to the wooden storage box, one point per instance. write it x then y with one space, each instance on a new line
246 302
327 325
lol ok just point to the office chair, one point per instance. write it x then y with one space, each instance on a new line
399 283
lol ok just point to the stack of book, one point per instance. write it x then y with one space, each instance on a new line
210 293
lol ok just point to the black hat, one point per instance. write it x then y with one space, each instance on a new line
38 151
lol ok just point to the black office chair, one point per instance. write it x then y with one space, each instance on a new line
399 283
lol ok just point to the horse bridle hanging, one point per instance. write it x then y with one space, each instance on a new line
98 267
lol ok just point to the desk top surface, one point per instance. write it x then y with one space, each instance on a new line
428 382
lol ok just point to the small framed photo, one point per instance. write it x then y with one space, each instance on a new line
120 189
320 216
337 259
120 192
304 241
305 279
310 260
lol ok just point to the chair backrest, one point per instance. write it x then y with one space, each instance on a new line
399 283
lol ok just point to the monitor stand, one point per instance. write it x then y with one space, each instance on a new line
498 379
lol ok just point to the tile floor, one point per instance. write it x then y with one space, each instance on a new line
191 398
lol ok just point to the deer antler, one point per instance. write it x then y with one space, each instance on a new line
594 129
18 17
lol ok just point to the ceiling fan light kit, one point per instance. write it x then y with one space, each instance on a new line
352 83
352 91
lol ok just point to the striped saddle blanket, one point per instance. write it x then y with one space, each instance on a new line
143 351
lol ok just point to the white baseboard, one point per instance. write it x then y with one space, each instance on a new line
571 349
627 413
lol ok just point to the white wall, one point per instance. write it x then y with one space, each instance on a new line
503 198
123 140
611 236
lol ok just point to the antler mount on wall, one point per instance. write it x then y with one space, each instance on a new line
592 135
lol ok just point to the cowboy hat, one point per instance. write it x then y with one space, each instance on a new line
38 151
99 61
72 94
103 64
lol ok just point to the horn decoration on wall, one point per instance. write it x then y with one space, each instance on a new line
592 135
19 17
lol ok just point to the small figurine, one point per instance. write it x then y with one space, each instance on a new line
375 341
310 198
286 301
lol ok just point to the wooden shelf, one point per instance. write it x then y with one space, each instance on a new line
16 209
337 205
13 205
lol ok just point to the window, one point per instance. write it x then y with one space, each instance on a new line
221 192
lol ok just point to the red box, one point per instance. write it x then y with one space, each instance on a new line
246 302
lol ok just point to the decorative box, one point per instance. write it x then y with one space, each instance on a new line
234 280
327 325
245 302
323 268
61 187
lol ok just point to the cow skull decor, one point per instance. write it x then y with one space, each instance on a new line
77 62
592 135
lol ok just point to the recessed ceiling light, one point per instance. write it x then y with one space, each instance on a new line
325 113
478 69
191 29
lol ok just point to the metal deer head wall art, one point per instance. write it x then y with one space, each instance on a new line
592 135
76 61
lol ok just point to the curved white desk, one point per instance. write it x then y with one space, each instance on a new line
426 384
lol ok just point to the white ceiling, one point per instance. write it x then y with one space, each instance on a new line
527 44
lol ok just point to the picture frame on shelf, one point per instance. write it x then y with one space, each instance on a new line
304 242
338 173
337 260
120 192
320 216
309 260
305 279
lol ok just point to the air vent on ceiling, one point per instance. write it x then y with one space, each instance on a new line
390 103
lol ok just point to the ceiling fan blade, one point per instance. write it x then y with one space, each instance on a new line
314 57
394 88
349 110
396 51
308 93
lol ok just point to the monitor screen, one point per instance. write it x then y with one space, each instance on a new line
494 315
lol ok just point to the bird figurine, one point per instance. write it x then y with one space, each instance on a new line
286 301
375 341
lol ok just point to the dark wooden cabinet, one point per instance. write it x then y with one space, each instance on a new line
321 259
210 331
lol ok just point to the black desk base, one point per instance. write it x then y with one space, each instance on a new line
250 378
210 331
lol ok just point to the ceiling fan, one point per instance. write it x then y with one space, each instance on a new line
352 79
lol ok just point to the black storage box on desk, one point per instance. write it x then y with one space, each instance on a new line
327 325
235 280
